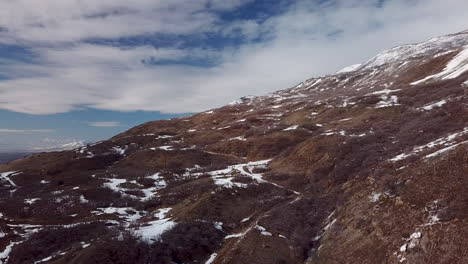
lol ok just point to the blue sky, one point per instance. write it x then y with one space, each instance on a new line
43 132
84 70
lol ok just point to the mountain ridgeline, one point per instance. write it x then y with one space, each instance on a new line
368 165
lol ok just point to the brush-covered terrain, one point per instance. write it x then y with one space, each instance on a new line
369 165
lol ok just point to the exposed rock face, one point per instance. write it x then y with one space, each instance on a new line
369 165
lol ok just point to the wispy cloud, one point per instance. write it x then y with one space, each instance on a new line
75 20
309 38
105 124
6 130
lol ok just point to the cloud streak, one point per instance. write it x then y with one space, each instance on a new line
104 124
306 40
15 131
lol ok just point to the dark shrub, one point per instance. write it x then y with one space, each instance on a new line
50 241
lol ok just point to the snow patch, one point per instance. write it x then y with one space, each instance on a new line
6 252
83 200
331 132
162 213
31 201
241 138
113 184
263 231
433 105
85 245
218 225
349 68
164 137
437 153
387 101
447 142
228 183
222 177
119 150
153 230
383 92
456 67
127 213
159 184
43 260
291 128
5 176
242 100
167 148
211 259
374 197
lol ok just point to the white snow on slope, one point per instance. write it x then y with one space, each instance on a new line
153 230
405 53
433 105
228 183
5 176
162 213
349 68
234 235
6 252
456 67
437 153
31 201
43 260
119 150
384 92
113 184
263 231
242 100
127 213
223 178
241 138
83 199
167 148
375 197
211 259
291 128
387 101
159 184
447 142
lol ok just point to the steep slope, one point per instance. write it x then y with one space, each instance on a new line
368 165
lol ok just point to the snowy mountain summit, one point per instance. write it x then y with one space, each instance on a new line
367 165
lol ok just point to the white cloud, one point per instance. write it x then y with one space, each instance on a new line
227 5
105 124
308 39
6 130
73 20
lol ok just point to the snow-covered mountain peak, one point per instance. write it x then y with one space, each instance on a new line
428 48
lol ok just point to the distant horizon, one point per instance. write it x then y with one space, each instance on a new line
68 128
